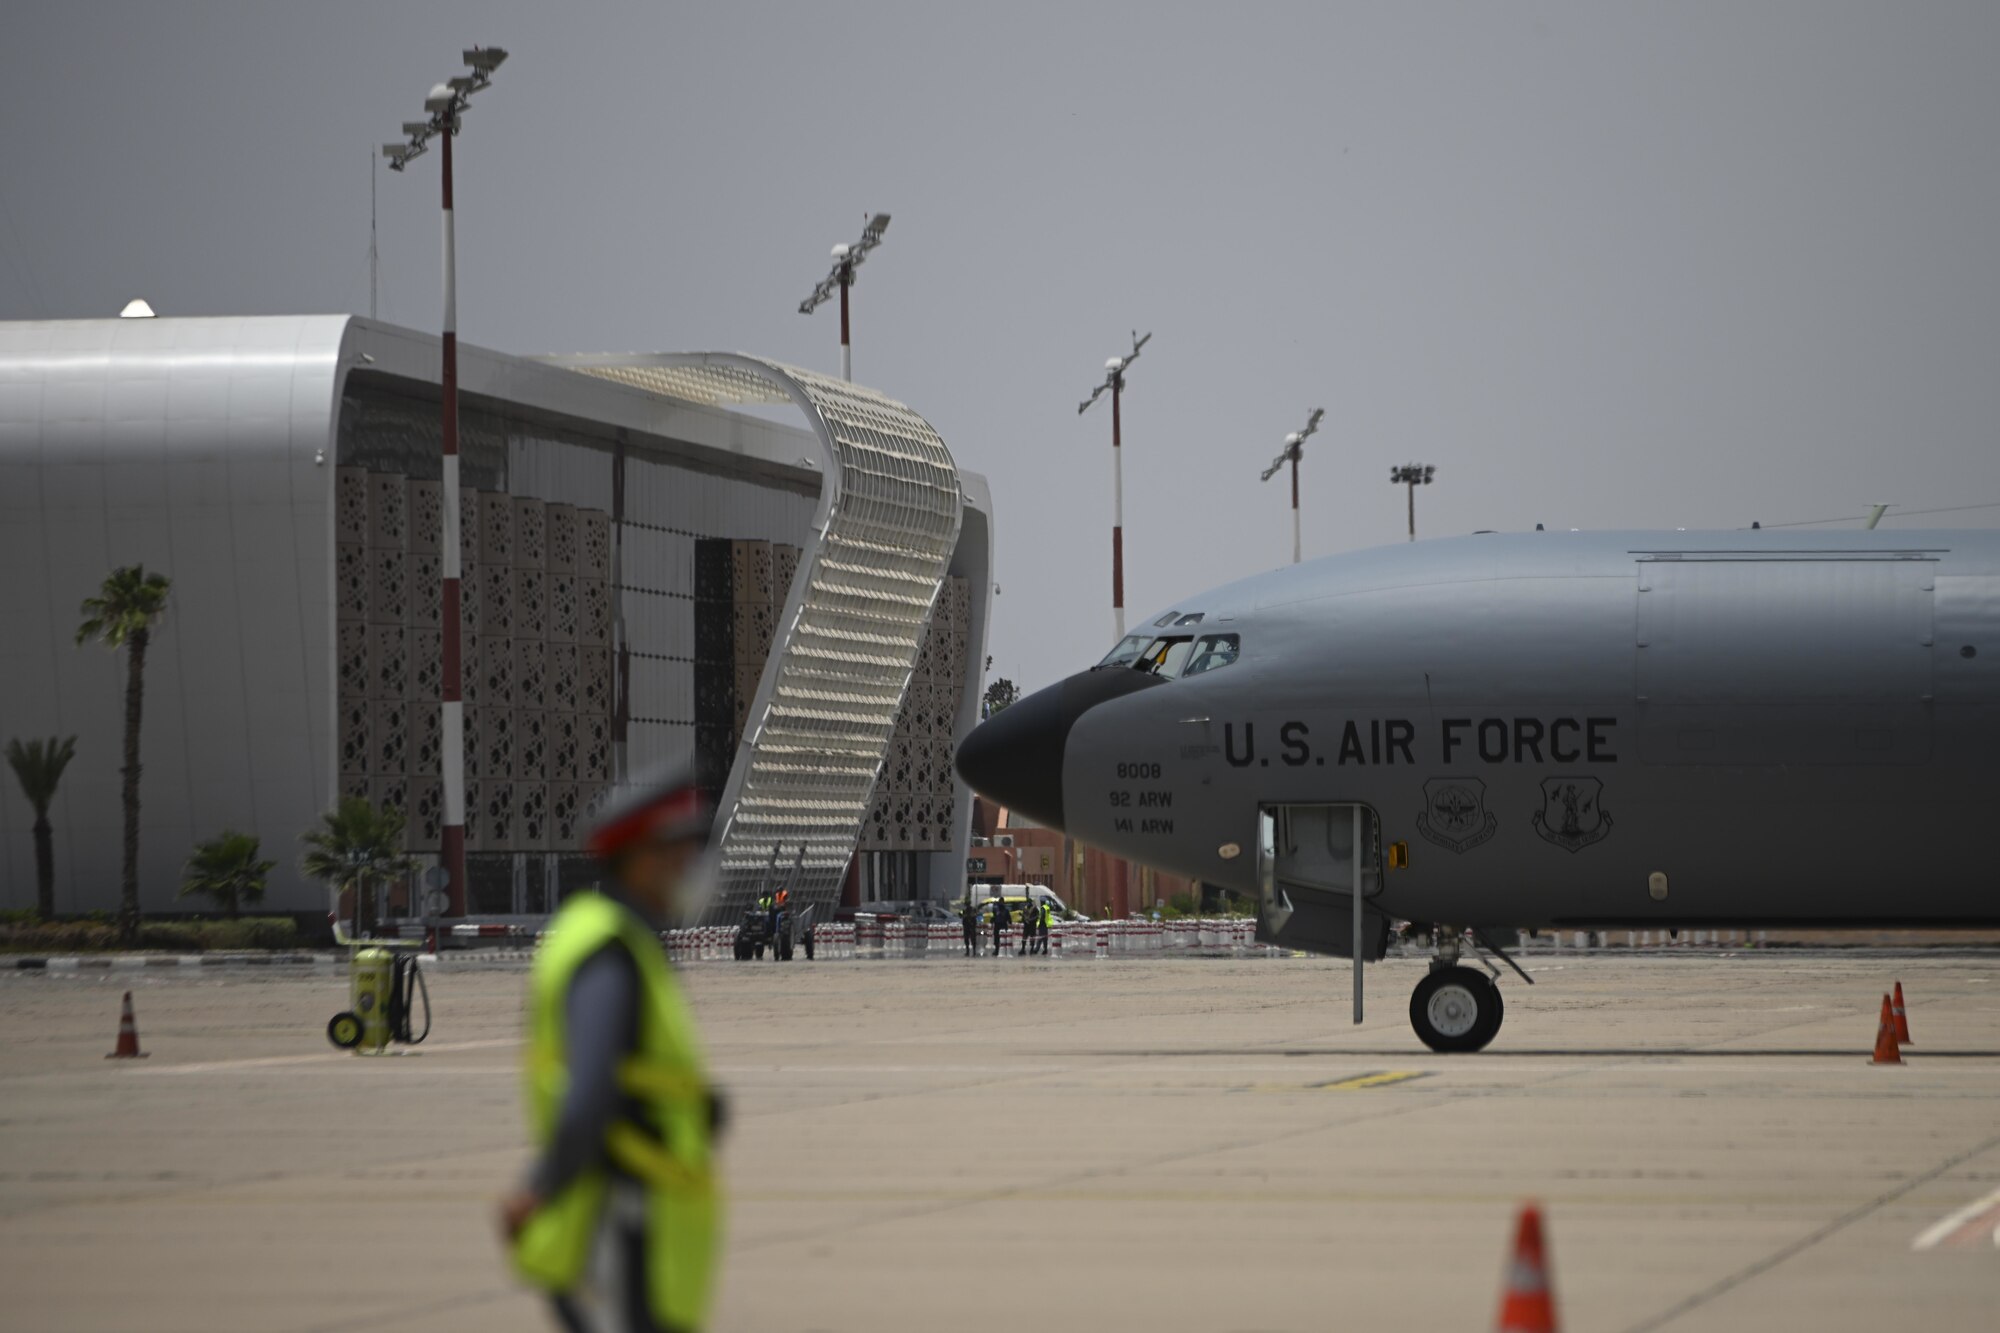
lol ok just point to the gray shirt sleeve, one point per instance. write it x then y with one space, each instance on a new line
600 1020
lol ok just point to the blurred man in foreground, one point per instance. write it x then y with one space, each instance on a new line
618 1219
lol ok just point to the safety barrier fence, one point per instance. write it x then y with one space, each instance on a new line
466 930
869 937
872 938
1229 937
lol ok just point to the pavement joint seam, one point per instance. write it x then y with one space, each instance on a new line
1689 1304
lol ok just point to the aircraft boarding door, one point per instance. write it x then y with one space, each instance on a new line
1309 859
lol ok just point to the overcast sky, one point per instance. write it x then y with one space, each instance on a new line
1685 266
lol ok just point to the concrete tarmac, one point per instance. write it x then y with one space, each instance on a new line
1005 1143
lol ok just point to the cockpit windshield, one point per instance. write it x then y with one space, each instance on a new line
1166 657
1174 655
1127 652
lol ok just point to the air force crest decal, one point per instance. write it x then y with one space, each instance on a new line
1455 816
1572 814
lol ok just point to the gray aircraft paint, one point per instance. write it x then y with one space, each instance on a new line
1791 728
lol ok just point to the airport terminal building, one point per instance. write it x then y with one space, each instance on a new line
774 575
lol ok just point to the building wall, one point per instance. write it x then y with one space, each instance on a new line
199 448
212 450
579 545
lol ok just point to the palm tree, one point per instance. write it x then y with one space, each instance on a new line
39 765
226 870
356 847
999 695
122 615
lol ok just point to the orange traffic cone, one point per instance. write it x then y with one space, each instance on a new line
1902 1019
1886 1050
128 1035
1527 1305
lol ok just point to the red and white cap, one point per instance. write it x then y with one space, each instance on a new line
662 805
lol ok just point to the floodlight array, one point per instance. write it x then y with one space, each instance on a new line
1115 370
1294 445
446 103
846 258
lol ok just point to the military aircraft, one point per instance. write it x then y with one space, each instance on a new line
1656 730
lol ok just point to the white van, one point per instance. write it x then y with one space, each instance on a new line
1013 893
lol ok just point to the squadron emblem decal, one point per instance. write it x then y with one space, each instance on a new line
1455 816
1572 814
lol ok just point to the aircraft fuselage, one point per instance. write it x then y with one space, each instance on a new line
1658 729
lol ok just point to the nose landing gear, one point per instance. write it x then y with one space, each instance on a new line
1455 1009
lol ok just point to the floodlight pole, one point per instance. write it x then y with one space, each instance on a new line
1295 506
1295 445
453 682
1114 380
1117 509
445 104
846 258
1410 476
846 344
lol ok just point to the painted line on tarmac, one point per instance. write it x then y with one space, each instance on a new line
278 1061
1378 1080
1969 1226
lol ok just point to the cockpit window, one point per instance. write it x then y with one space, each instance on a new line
1212 653
1127 652
1173 655
1191 618
1165 620
1165 657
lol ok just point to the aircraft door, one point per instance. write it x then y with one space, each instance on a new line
1307 865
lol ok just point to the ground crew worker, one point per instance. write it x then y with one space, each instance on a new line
968 918
1043 925
617 1221
999 921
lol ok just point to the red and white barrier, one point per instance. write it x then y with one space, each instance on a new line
879 937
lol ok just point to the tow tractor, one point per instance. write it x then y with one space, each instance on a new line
777 927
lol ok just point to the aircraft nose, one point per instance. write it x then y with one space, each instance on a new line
1016 756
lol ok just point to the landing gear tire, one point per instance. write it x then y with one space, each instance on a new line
1456 1010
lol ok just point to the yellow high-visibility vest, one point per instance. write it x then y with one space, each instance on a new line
670 1156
